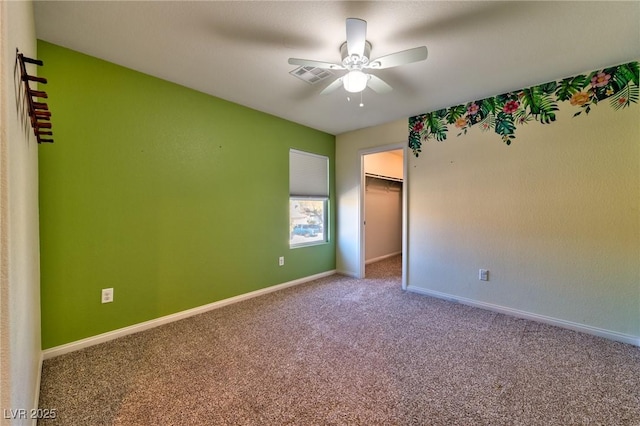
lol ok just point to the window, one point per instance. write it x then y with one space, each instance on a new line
308 198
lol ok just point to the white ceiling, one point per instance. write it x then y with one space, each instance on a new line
238 50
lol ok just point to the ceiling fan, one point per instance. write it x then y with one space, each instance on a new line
355 59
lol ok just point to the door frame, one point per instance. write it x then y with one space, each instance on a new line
361 212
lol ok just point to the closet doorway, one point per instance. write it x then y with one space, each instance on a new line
383 205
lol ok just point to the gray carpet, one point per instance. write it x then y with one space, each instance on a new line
341 351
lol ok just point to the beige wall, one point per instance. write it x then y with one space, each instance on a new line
555 217
20 285
387 163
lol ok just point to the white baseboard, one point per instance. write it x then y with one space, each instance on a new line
595 331
379 258
105 337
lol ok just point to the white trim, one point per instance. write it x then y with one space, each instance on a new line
383 257
110 335
36 394
405 215
595 331
405 208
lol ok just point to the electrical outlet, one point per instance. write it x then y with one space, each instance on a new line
281 261
483 275
107 295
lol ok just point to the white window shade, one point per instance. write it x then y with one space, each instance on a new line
308 175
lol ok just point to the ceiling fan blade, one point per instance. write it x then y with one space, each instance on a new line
316 64
378 85
337 83
399 58
356 36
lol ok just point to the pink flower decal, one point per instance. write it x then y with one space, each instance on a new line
461 122
418 126
600 80
473 109
579 99
511 107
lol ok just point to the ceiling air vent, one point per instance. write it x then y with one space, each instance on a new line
311 75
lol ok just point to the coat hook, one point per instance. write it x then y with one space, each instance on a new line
39 113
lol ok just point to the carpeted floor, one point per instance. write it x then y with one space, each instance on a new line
341 351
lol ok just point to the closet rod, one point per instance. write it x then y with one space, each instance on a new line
373 175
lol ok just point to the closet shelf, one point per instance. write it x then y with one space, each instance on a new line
373 175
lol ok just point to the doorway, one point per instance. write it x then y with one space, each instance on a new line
383 205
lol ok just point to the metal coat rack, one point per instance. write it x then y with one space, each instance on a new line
39 113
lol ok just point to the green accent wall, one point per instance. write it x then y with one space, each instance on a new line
174 198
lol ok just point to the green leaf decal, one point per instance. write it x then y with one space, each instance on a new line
437 127
540 104
570 86
488 123
504 124
625 97
548 88
455 112
530 99
489 105
626 74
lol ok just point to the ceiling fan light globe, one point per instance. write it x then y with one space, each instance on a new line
355 81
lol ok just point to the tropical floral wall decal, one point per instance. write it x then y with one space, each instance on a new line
503 113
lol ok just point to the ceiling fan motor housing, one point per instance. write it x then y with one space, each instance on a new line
355 62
